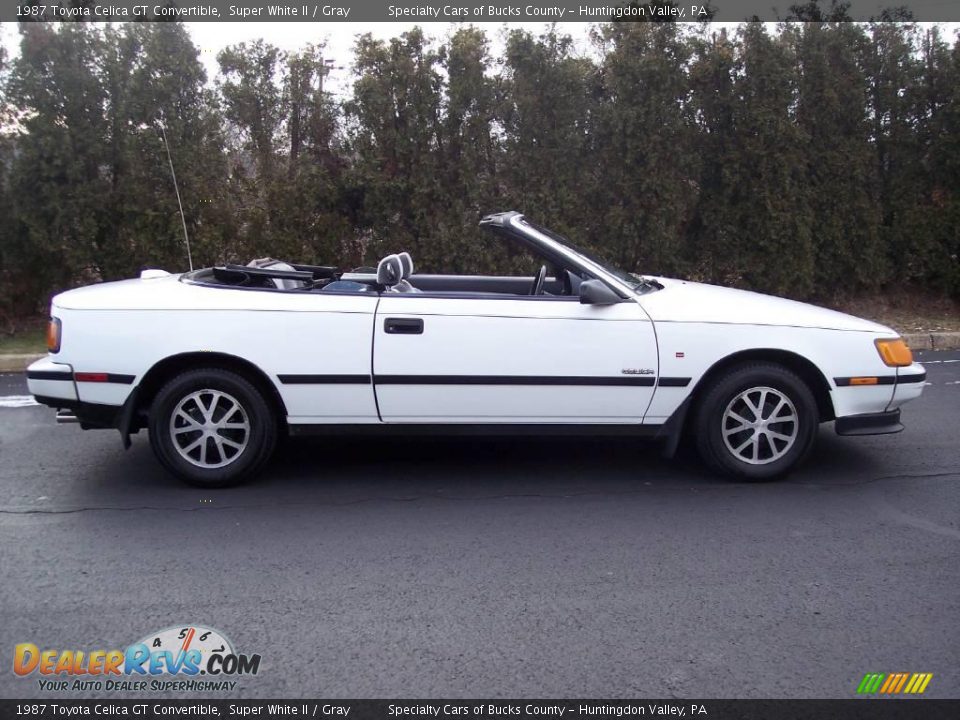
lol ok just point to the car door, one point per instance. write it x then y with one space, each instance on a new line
511 359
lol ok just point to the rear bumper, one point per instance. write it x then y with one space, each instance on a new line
49 379
89 415
882 423
52 384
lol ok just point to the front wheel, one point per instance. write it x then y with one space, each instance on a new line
757 422
212 428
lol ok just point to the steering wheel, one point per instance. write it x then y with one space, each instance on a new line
537 287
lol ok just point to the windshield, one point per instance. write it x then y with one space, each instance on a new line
634 281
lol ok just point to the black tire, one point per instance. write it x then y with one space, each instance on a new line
726 393
258 438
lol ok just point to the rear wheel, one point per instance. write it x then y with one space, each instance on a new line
212 428
757 422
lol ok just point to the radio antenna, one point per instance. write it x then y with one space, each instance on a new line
176 189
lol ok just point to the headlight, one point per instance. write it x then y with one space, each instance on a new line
894 353
53 335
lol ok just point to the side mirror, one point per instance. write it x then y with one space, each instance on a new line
594 292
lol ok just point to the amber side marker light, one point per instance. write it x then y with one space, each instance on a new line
863 381
894 353
53 335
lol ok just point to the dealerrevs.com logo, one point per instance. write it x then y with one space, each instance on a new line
180 658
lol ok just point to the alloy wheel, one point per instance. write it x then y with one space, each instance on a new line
209 428
760 425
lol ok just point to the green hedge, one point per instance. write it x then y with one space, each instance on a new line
818 161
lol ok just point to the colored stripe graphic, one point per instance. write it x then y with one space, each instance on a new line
903 680
918 683
870 683
894 683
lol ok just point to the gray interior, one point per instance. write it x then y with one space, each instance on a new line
465 284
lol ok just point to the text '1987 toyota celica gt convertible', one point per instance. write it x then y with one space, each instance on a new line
218 363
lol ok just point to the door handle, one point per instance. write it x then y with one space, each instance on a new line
403 326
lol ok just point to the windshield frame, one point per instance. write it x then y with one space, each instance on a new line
628 278
591 261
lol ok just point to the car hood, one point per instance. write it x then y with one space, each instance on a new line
686 301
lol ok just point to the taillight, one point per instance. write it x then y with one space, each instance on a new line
54 331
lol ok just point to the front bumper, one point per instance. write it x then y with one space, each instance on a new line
874 408
882 423
910 383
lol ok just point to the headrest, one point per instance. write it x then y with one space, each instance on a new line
407 264
279 283
390 270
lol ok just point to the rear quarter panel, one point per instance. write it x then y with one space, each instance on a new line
280 333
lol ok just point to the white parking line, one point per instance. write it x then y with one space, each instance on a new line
936 362
16 401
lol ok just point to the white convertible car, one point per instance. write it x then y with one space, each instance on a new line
219 362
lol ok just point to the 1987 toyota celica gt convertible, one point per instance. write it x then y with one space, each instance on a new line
219 362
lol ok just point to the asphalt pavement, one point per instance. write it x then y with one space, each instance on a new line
476 568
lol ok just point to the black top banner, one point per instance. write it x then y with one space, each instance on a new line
490 709
427 11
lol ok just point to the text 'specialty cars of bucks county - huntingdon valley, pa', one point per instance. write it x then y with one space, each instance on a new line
217 363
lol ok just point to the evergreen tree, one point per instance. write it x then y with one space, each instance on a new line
396 136
545 115
646 136
841 173
775 218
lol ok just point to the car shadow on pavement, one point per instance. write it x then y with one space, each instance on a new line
469 466
342 468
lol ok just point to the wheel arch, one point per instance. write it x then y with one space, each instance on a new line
801 366
164 370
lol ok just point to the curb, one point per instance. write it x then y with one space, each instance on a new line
18 363
933 341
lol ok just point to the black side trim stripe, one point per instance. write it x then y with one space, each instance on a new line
54 375
510 380
48 375
673 382
324 379
120 379
918 377
630 381
886 380
881 380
